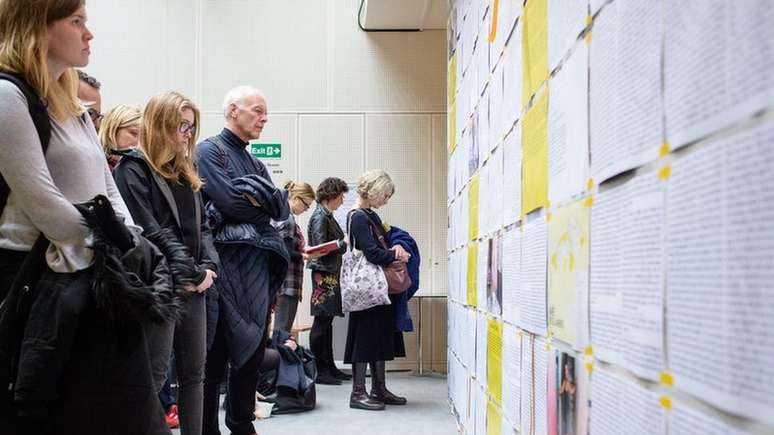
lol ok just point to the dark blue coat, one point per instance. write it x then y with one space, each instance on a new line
253 259
397 236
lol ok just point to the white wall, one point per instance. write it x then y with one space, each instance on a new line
340 100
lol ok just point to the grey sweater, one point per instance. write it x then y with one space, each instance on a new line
43 189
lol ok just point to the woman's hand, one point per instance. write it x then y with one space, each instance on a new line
308 257
401 254
209 278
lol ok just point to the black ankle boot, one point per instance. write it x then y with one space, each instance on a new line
359 399
379 389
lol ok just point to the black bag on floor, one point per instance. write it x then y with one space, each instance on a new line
291 401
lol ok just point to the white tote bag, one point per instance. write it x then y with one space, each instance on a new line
363 284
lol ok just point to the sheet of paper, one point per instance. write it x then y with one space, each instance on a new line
469 352
494 287
494 360
481 407
481 347
624 95
534 47
496 124
708 86
473 205
532 291
452 124
626 303
472 281
512 77
497 198
484 199
494 420
596 5
540 375
568 132
512 276
621 406
512 176
527 392
720 246
686 421
483 127
568 273
566 20
512 375
481 269
535 155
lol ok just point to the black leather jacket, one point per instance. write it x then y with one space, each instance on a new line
324 228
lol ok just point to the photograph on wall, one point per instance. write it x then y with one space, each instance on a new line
569 396
494 287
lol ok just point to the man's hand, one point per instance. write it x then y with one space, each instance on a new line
209 278
291 344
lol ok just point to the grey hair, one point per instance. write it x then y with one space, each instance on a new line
237 95
375 183
89 80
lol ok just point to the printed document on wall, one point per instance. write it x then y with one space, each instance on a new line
708 86
568 274
566 20
568 132
686 421
481 347
534 188
512 276
622 406
511 375
534 47
494 360
532 291
625 91
512 176
626 287
720 246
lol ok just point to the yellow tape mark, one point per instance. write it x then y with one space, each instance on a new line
666 402
493 28
588 202
588 37
589 20
590 184
588 351
664 149
667 379
589 367
548 217
665 172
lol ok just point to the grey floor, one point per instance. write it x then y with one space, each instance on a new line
426 413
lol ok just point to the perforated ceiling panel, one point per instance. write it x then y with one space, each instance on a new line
401 145
274 48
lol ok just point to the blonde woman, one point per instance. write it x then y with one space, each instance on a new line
300 198
370 333
75 354
162 189
119 132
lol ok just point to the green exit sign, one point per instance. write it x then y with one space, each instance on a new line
266 150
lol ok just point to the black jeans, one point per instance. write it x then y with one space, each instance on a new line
321 342
240 408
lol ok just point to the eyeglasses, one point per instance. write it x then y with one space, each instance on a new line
95 115
187 127
304 202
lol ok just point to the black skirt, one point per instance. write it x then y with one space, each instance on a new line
371 336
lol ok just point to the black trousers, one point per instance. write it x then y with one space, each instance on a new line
240 403
321 342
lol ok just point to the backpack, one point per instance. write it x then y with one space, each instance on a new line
38 113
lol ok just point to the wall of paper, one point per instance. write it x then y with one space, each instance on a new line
611 216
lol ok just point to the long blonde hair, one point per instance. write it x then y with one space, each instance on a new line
116 118
23 50
160 122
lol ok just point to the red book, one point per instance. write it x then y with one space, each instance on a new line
325 248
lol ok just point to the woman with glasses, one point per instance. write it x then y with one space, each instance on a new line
119 132
300 198
162 190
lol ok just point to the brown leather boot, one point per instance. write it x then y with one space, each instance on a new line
359 399
379 389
